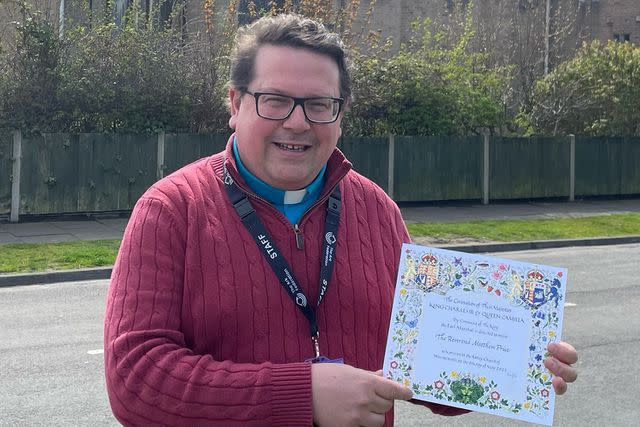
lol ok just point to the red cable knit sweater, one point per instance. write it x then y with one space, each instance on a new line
198 329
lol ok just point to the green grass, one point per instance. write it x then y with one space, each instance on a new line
26 257
537 229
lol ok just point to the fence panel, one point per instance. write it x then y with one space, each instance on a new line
607 166
6 170
85 173
96 173
182 149
115 170
369 156
438 168
528 168
48 181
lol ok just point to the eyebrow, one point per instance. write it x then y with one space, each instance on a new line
281 92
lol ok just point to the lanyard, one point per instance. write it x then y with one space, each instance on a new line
278 264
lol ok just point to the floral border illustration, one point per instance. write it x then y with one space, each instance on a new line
426 270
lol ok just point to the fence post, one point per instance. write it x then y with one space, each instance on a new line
572 168
391 165
15 175
160 158
485 170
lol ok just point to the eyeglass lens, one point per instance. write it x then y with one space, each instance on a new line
279 107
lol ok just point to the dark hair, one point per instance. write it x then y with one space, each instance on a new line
286 30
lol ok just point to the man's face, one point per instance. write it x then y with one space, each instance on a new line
286 154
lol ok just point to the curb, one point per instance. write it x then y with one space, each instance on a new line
21 279
7 280
541 244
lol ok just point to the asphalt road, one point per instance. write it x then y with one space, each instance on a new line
51 369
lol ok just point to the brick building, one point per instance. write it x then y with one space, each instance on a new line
613 19
597 19
505 25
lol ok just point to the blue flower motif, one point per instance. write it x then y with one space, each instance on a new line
412 324
532 347
539 357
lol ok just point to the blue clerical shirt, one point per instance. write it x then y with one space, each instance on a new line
292 204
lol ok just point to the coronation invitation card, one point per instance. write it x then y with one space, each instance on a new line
472 331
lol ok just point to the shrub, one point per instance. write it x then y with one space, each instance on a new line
591 94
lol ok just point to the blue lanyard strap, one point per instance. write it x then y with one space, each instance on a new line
279 265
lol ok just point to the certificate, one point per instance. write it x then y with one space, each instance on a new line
472 331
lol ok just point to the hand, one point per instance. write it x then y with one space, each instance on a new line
561 357
344 396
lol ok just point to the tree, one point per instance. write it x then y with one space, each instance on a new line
520 34
430 87
591 94
30 78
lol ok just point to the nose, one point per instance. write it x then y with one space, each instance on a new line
297 120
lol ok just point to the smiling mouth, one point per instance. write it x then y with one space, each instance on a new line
289 147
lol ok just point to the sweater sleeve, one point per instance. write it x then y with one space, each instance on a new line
152 376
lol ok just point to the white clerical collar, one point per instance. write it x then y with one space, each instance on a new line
294 196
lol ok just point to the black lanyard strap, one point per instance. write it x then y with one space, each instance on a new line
272 254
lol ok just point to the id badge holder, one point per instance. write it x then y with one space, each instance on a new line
319 358
323 359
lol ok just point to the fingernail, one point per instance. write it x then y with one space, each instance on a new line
552 347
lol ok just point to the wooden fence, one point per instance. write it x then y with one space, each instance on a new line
90 173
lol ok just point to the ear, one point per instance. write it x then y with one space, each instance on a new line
234 106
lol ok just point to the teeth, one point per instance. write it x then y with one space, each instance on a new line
292 147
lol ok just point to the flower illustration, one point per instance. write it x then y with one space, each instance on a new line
403 291
552 334
532 347
545 377
502 267
496 275
544 392
498 292
406 382
438 384
394 364
559 273
482 379
526 405
539 357
454 374
495 395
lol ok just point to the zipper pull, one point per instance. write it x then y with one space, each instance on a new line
299 238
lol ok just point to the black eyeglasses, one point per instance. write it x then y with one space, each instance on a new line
274 106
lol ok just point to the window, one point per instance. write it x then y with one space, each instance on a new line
622 37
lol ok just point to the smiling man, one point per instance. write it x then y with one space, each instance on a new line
254 287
